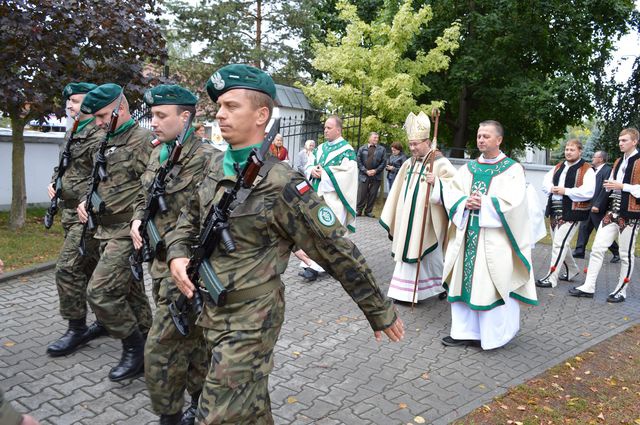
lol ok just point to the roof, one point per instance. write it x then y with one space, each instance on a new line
292 97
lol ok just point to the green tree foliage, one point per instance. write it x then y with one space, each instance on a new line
620 107
47 43
533 66
264 33
370 61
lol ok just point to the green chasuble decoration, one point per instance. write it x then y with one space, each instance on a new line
328 150
232 156
482 176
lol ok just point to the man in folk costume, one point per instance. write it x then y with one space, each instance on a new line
403 216
487 265
621 201
333 173
570 186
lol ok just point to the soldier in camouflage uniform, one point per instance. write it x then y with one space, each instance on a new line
281 211
118 301
173 362
72 270
10 416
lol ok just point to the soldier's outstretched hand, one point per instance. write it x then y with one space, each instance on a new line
178 267
82 212
395 332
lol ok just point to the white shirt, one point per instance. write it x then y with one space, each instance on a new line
633 189
576 194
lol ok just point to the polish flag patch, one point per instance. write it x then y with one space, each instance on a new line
155 142
303 187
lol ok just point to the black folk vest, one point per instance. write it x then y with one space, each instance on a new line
629 205
571 211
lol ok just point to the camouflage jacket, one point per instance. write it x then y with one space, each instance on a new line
281 212
76 178
8 415
188 172
127 155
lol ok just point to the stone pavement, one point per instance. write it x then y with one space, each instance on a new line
329 369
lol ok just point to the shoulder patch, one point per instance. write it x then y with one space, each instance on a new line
326 216
303 187
155 142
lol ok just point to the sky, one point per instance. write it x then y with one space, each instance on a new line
628 49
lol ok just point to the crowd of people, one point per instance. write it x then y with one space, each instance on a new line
464 235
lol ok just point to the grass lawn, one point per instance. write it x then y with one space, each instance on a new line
33 244
599 386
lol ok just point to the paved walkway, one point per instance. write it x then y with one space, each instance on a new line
329 369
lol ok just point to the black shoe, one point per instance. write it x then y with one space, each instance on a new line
95 330
543 283
170 419
310 275
615 259
442 296
71 340
399 302
615 299
370 215
132 360
450 342
578 254
575 292
189 415
359 214
302 272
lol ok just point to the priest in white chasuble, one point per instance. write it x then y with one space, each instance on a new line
417 226
487 266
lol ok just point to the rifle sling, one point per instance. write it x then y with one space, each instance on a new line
244 193
177 167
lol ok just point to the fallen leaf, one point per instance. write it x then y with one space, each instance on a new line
417 329
425 375
585 334
578 378
626 318
402 405
557 387
521 408
601 416
594 389
482 386
319 321
419 420
296 353
625 388
342 319
578 358
9 344
487 408
504 406
518 423
291 400
547 408
637 421
587 372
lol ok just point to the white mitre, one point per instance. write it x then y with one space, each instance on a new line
418 127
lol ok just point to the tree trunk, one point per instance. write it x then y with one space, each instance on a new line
19 194
460 136
258 63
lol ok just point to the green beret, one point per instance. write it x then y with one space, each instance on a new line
77 88
166 94
239 76
100 97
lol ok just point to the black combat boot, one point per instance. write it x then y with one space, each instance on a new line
95 330
71 340
170 419
189 415
132 360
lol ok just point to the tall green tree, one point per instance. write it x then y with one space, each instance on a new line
47 43
264 33
620 108
533 66
371 62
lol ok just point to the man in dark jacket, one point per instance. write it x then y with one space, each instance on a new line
371 162
603 170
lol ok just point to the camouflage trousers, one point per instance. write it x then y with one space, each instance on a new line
172 362
118 301
236 388
72 270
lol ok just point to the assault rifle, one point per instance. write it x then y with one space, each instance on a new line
216 232
94 203
62 167
152 243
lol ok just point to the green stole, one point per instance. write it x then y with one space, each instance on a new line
327 149
482 176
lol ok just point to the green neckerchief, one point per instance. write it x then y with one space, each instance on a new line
231 156
82 124
124 127
167 148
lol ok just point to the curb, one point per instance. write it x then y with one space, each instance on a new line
28 270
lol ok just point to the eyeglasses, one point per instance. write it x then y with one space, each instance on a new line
415 144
